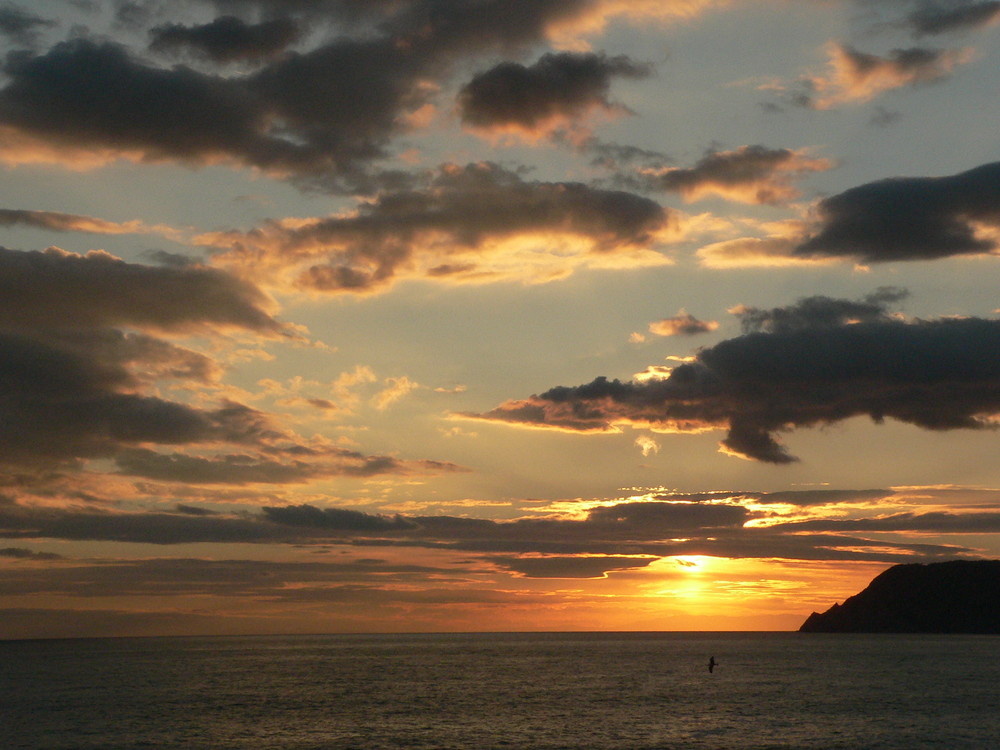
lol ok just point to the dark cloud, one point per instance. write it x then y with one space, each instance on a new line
910 218
19 522
237 469
191 577
322 115
193 510
806 498
62 222
935 522
322 111
614 155
616 537
457 25
73 385
272 464
940 19
936 374
227 39
571 566
57 289
57 403
341 519
21 26
20 553
820 312
751 174
96 96
449 227
553 91
670 516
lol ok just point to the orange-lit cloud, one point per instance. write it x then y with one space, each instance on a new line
682 324
749 174
753 252
395 389
647 445
474 224
588 17
62 222
859 77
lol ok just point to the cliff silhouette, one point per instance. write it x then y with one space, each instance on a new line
961 596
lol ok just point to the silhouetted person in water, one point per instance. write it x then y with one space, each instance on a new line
711 664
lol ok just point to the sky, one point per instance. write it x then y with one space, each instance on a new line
483 315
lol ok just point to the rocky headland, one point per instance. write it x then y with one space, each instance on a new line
962 596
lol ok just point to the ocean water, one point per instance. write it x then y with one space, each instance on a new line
620 691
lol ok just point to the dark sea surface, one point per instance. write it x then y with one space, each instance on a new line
569 690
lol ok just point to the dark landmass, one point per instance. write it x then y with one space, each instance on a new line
962 596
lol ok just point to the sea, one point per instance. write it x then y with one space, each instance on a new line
571 691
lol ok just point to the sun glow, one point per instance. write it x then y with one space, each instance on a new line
692 563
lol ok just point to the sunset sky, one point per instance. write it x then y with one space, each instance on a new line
442 315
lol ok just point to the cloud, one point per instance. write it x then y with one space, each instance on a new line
551 94
613 155
859 76
322 115
935 522
74 386
477 223
193 577
266 468
819 312
570 566
910 218
80 395
227 39
934 374
396 388
20 553
626 534
60 402
807 498
59 289
78 382
889 220
938 19
754 252
96 96
647 445
62 222
328 110
682 324
749 174
341 519
149 528
20 25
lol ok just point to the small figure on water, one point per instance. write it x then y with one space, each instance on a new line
711 664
